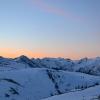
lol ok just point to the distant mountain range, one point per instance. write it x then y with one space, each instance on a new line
85 65
22 78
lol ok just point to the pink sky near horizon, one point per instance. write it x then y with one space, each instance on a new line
13 53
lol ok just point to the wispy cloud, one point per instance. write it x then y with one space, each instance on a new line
42 5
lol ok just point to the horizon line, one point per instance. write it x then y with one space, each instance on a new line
49 57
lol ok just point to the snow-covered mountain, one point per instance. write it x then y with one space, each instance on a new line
16 63
89 66
55 63
22 78
9 64
85 65
26 61
37 83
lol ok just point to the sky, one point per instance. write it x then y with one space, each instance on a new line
50 28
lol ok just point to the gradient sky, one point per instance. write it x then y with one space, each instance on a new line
50 28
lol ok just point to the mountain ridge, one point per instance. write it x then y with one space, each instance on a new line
23 78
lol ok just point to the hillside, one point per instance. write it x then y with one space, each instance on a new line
22 78
92 93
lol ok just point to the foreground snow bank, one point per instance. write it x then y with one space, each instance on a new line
92 93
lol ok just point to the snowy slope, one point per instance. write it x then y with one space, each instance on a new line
26 61
21 62
92 93
26 84
89 66
39 83
34 79
85 65
55 63
10 64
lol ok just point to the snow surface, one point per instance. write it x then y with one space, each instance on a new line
35 79
92 93
36 84
85 65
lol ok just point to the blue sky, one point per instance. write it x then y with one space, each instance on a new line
53 28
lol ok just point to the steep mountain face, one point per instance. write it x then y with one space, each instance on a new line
55 63
89 66
26 61
39 83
